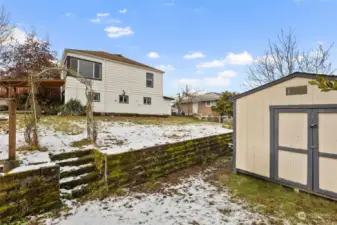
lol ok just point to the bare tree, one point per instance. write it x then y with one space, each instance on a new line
190 96
284 57
5 28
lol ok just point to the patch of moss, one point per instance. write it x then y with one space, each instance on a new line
81 143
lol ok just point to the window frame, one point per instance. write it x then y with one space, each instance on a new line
69 58
96 93
150 86
147 102
127 99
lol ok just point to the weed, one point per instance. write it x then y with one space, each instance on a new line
81 143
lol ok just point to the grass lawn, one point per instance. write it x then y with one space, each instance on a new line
280 202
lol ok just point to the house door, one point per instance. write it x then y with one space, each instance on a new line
304 152
195 107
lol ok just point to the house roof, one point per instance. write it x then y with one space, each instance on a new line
114 57
168 98
210 96
290 76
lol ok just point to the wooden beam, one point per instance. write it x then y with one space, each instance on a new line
12 128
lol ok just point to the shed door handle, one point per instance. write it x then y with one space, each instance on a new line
313 126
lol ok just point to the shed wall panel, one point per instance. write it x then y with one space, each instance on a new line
293 167
327 174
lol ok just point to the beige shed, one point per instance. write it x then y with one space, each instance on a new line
286 132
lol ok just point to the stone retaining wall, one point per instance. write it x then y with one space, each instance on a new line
32 191
146 164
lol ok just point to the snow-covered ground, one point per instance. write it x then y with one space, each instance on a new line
194 201
113 137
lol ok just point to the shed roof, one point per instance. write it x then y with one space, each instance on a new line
115 57
290 76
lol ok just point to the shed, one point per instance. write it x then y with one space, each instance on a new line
286 132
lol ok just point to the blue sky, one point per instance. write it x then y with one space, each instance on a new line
205 43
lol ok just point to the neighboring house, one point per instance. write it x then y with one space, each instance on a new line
120 85
201 104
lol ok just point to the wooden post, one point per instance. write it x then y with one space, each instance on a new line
12 128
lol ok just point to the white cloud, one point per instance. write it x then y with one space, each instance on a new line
214 63
153 55
199 72
96 20
168 67
204 82
68 14
194 55
297 1
227 73
239 59
231 58
123 11
197 10
320 42
115 32
169 3
102 14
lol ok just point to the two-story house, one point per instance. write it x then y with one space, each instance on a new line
120 85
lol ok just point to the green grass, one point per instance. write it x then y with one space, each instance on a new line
281 202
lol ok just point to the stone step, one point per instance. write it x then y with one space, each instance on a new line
77 161
73 154
68 183
71 171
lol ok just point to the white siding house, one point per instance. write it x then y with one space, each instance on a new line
122 85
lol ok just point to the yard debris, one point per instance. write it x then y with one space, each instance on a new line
302 215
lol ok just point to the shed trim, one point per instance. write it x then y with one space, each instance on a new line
234 138
288 77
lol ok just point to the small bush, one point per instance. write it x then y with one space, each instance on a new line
72 108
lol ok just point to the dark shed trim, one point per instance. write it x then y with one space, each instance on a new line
234 138
290 76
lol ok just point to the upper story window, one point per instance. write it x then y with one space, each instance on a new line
87 69
149 80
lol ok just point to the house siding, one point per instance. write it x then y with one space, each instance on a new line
118 78
202 109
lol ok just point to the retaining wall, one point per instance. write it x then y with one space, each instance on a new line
32 191
143 165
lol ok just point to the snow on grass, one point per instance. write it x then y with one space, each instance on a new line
67 179
113 137
31 167
192 202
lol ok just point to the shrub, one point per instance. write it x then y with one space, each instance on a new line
72 108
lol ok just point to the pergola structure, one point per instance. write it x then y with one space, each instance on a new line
11 87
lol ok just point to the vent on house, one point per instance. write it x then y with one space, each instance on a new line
299 90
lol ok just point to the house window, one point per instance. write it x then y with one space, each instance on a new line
87 69
147 101
124 99
208 103
96 97
149 80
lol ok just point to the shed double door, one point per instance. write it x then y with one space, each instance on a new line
304 151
